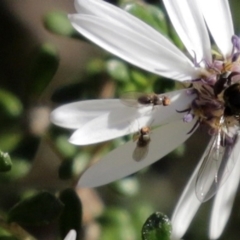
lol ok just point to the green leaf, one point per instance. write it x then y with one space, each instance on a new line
95 66
10 104
127 187
43 68
58 22
71 217
141 210
117 224
157 227
163 85
150 14
129 87
20 168
139 78
5 162
40 209
118 70
67 149
10 140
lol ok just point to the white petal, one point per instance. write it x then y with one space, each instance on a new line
138 49
186 207
224 199
119 163
111 125
219 20
121 18
71 235
74 115
125 120
108 126
190 26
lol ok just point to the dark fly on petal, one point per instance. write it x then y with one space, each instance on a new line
142 145
136 99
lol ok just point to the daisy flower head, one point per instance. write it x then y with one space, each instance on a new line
212 100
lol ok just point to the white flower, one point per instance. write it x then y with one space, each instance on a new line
215 80
102 120
72 235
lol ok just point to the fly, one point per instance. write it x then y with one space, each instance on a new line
142 145
218 159
136 99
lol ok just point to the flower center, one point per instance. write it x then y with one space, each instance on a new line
218 93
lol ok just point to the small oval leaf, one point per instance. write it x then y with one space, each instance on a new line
40 209
58 22
157 227
5 162
10 105
148 13
43 67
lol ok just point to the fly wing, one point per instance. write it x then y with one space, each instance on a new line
131 99
219 160
140 153
135 136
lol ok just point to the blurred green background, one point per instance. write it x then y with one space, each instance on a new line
44 63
